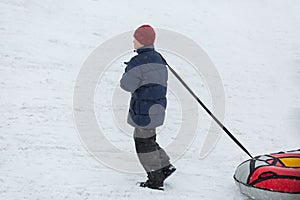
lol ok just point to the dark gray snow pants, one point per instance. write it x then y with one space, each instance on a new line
150 154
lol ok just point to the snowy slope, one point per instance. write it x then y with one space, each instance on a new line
254 44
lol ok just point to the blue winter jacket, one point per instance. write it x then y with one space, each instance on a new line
146 78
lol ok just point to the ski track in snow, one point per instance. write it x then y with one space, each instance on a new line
255 46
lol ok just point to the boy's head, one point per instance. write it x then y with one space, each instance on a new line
144 36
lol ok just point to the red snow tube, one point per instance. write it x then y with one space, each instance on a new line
273 176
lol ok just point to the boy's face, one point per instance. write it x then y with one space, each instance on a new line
137 44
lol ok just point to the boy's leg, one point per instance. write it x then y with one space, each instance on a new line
153 158
151 155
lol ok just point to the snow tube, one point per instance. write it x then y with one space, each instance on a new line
267 177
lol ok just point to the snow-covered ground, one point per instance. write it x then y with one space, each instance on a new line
254 44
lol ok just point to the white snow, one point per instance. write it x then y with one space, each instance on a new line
254 44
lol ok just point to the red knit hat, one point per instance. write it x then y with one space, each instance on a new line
145 35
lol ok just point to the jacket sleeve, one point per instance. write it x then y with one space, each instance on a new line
131 79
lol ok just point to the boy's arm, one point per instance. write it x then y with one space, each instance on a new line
131 78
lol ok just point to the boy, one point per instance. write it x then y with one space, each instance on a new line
145 77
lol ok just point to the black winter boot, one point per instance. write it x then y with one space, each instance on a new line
168 170
155 180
